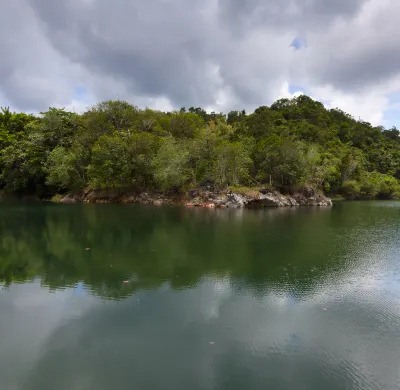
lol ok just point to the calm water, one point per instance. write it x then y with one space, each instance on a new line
173 298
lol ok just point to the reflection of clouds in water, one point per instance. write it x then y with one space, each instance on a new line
265 316
29 315
372 280
360 342
213 295
357 334
77 341
142 340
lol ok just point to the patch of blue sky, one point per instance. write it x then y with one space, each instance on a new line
298 43
391 116
80 92
296 88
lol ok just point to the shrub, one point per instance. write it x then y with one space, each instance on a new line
350 189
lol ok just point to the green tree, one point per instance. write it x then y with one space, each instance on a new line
231 164
351 189
23 166
122 161
110 163
58 127
294 143
65 169
171 164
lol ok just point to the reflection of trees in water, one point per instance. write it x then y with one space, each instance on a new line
277 248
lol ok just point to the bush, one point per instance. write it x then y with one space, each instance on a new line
370 185
389 186
57 198
350 189
170 164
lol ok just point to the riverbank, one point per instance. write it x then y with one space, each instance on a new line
203 198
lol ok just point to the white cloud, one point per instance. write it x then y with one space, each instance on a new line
217 54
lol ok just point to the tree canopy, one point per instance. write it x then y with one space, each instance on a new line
292 144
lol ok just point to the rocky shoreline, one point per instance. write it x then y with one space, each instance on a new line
205 198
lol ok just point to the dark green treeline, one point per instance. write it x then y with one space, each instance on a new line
293 144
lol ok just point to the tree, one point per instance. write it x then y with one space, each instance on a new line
182 124
171 164
352 163
350 189
23 166
105 118
231 163
294 143
65 169
110 163
58 127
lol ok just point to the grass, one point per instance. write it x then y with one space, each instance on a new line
57 198
248 191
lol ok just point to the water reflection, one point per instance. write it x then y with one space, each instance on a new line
152 246
304 299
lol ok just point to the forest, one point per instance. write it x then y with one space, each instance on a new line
293 144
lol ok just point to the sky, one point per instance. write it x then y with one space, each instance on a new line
220 55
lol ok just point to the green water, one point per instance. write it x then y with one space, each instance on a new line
174 298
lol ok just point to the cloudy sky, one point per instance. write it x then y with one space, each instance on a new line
217 54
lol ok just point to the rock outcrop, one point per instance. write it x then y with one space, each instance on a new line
257 199
110 196
210 199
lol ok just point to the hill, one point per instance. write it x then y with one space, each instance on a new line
293 144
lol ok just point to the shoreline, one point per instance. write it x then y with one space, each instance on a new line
202 198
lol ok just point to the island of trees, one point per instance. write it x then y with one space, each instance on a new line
293 144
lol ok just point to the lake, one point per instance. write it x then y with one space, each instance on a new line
132 297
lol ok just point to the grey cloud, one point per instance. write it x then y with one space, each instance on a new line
359 55
190 52
155 47
30 74
176 49
294 15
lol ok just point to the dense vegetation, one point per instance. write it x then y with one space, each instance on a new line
291 145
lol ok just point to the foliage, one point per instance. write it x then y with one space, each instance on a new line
350 189
293 144
171 168
231 164
63 168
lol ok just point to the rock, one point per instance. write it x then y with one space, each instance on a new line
221 201
193 193
271 199
293 202
281 200
205 198
196 202
70 198
275 199
235 200
315 200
